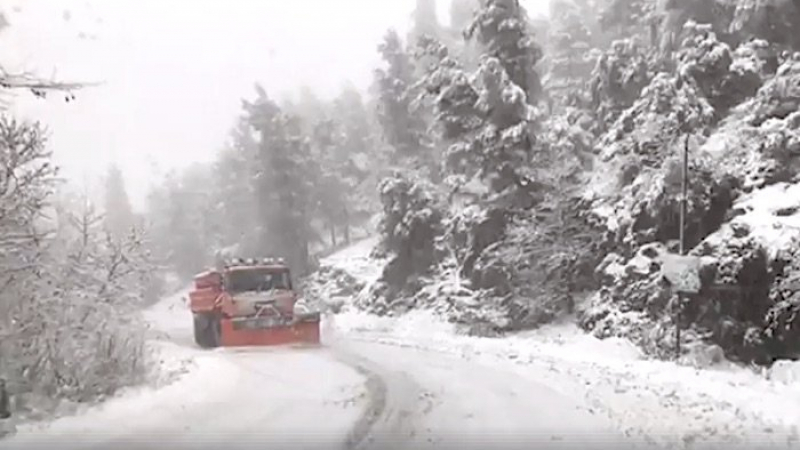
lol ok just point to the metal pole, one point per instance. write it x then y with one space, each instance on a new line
682 243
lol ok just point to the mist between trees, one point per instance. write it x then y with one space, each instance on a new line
519 170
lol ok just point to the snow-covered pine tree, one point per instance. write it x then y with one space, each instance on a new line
234 189
425 21
285 182
402 129
119 217
363 157
569 60
461 13
629 17
775 21
182 220
332 191
502 26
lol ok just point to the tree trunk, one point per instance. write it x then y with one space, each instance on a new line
346 226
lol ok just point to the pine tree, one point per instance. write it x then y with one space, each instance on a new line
360 153
402 128
353 122
570 65
331 195
773 20
285 178
461 14
234 192
487 122
119 216
182 217
629 17
425 21
307 105
502 27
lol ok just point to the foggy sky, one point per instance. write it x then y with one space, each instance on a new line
174 72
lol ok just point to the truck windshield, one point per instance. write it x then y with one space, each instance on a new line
257 280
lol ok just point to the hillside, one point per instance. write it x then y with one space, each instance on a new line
524 170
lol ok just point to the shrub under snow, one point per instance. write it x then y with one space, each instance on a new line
69 322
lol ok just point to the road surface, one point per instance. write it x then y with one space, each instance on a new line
348 394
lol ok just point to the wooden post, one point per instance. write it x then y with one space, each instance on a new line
682 243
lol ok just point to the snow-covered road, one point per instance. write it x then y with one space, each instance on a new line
351 393
433 401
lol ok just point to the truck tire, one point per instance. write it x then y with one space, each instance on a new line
206 330
200 326
215 331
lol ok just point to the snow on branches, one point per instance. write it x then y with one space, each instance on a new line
69 325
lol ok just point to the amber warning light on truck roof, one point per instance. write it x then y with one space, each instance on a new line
253 261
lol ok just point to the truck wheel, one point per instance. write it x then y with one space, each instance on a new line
214 331
206 330
200 325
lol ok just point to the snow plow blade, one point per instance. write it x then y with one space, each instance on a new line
250 333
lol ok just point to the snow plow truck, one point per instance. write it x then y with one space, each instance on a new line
250 303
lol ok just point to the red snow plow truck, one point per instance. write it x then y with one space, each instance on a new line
250 303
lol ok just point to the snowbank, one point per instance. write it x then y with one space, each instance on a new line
357 261
772 214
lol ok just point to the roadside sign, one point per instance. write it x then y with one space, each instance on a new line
683 272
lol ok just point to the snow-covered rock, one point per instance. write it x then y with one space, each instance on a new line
785 371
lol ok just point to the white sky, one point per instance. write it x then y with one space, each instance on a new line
174 72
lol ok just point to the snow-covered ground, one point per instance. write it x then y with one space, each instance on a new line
413 382
231 396
672 405
356 261
348 394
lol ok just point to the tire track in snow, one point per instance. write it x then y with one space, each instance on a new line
376 395
388 420
390 417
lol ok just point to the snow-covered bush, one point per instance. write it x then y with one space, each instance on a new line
617 80
653 204
542 263
783 318
772 20
780 96
757 155
747 305
69 322
77 333
412 220
723 80
753 147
